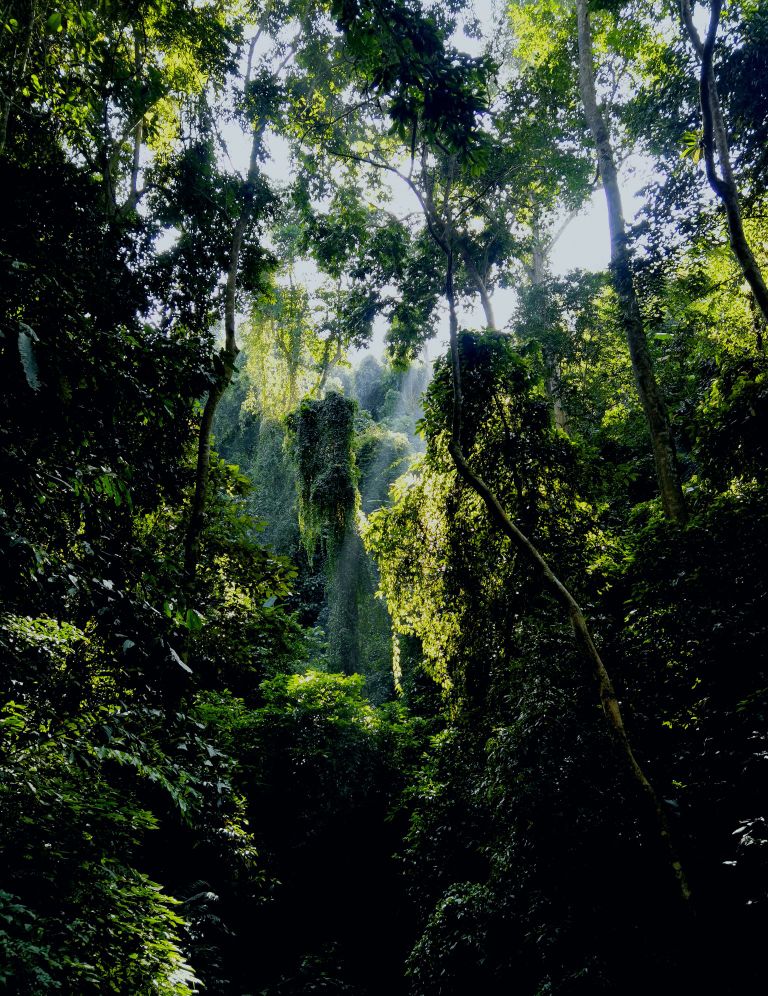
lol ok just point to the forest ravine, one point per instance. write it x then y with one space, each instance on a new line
384 607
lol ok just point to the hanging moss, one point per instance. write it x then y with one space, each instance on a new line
322 432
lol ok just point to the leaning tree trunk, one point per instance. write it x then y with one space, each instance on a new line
654 408
552 584
715 147
227 357
442 231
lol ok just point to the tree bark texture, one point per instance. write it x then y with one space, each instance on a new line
715 148
654 408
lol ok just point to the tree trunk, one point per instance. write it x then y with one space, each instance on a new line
552 584
477 280
227 357
715 146
654 408
138 133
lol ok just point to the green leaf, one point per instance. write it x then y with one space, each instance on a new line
27 355
193 620
692 145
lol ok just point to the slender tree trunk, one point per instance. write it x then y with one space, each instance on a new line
433 215
326 364
482 290
654 408
138 138
228 353
551 583
227 357
138 133
715 147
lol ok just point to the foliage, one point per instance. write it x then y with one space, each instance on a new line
450 546
322 768
361 754
74 805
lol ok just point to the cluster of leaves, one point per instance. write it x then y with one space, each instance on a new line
512 822
400 53
429 539
110 783
82 788
520 802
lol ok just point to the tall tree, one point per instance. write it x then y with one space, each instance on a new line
654 407
247 199
549 580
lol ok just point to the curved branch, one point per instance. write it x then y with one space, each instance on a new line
715 148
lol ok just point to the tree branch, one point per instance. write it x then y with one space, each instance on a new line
715 148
